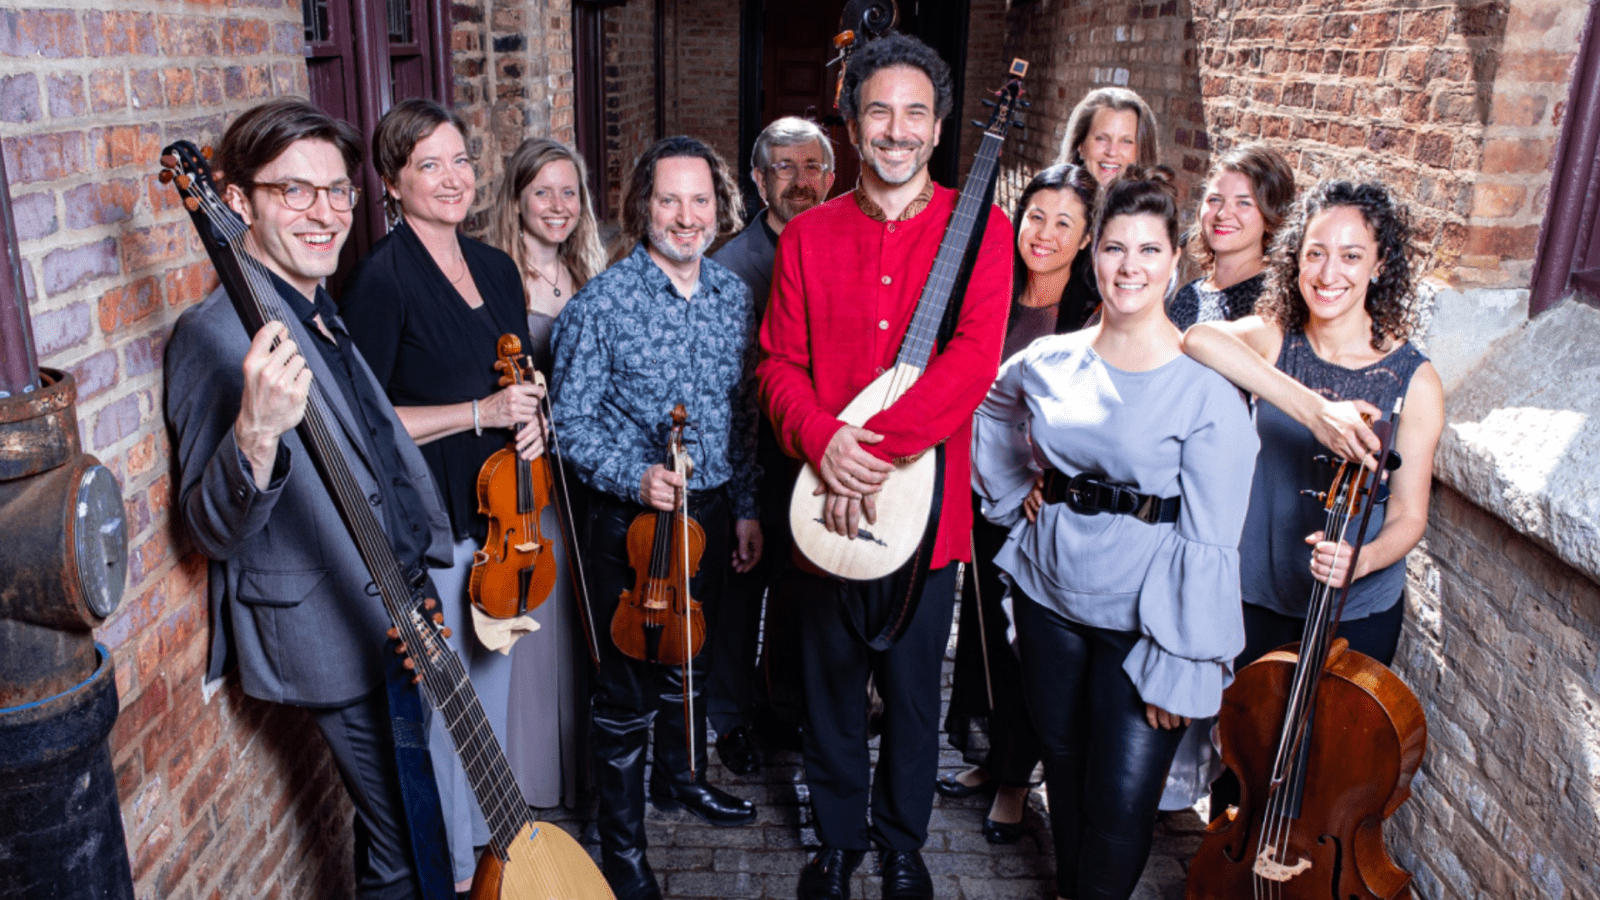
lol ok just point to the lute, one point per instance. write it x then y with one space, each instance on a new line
906 499
525 859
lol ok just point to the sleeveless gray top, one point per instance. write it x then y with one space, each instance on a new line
1274 559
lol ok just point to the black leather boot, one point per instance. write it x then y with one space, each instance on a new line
618 745
671 785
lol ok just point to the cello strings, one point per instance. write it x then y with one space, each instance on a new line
1293 742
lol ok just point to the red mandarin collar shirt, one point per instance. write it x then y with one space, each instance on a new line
844 287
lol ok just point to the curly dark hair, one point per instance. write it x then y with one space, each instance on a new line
1390 298
1063 177
642 184
1271 186
1140 191
895 49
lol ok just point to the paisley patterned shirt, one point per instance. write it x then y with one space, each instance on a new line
628 348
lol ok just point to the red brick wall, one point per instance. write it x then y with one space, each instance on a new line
1455 104
222 796
512 61
703 83
987 62
629 86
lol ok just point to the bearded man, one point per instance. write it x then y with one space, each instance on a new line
663 326
792 165
846 282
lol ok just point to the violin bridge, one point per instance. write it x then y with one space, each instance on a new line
527 547
1272 870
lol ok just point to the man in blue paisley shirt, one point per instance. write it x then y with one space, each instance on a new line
662 326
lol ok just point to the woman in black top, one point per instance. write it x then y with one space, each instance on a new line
1248 194
988 720
427 308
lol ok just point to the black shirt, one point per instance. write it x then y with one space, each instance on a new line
405 518
427 347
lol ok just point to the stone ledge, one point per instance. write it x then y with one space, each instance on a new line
1522 434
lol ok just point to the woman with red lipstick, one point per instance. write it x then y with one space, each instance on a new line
988 719
1329 341
1248 194
426 309
1124 582
1330 338
545 220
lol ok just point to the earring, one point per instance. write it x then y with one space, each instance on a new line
1374 278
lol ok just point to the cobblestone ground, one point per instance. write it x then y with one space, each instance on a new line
762 861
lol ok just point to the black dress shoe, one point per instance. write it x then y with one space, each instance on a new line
738 751
905 877
717 807
1001 832
827 875
948 786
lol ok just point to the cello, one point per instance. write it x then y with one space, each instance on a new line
1324 741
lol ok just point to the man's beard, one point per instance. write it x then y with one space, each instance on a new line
920 155
668 248
796 199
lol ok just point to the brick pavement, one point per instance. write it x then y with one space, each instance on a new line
762 861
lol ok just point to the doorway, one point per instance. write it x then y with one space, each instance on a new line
791 65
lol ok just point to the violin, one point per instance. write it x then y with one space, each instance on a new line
1324 741
515 571
658 621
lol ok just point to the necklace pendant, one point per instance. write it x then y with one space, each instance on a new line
557 291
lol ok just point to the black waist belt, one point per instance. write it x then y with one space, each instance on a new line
1091 496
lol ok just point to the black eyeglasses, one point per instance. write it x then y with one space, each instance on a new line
787 170
301 195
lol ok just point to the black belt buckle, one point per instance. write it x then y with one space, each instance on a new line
1083 494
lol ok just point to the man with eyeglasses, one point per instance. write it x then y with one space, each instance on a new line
289 595
792 166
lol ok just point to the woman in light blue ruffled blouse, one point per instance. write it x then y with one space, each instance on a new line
1125 580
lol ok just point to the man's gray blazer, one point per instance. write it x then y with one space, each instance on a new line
750 254
287 584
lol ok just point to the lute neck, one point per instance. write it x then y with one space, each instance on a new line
922 336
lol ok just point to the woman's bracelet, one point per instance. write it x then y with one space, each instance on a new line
477 424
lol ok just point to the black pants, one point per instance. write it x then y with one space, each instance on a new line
835 628
362 741
1104 765
626 688
997 735
1377 635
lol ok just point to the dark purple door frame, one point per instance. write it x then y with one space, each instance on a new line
1569 243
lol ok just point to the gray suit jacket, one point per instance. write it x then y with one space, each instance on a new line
750 254
289 592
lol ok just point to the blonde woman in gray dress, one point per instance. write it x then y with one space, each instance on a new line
545 221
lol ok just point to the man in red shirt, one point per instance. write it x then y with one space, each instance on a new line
846 283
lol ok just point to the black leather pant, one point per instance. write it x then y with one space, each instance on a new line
629 693
1104 765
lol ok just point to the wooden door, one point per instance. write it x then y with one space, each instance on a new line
361 56
797 44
